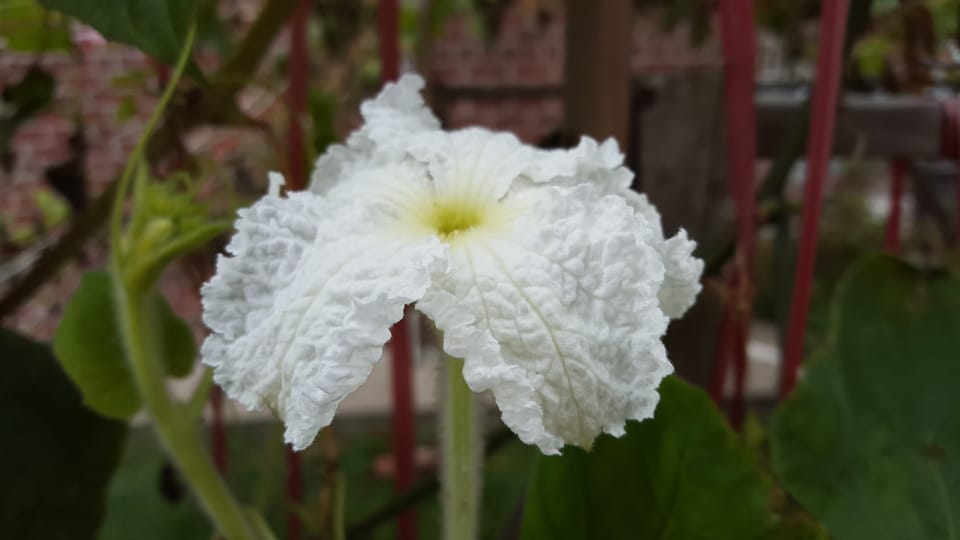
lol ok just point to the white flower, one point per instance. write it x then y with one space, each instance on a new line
545 273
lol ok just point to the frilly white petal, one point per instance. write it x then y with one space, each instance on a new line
681 284
601 165
556 298
398 110
472 163
389 120
301 307
588 162
558 316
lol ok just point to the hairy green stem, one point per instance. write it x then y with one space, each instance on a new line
178 431
460 477
201 394
143 345
364 527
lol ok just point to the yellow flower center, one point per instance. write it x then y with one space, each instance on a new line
450 218
456 217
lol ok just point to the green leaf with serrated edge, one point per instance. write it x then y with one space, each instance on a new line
869 441
156 27
89 346
680 475
57 456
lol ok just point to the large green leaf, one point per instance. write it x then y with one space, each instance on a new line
56 456
156 27
681 475
27 27
89 347
869 442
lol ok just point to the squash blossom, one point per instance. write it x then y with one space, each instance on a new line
547 275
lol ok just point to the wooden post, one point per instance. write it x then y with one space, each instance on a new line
597 89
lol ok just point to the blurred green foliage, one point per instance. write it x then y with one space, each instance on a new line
156 27
679 475
27 27
872 429
89 345
145 499
57 456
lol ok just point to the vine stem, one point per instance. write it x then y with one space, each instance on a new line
460 477
142 343
133 162
177 429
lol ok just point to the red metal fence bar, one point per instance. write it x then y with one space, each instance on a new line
826 89
297 74
403 425
402 372
388 19
218 432
950 145
951 135
721 356
739 49
891 238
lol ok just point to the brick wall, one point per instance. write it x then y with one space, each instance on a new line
86 89
528 56
525 61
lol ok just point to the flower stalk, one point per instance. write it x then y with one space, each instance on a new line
175 423
177 430
460 477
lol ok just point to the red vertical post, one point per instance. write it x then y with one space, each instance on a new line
957 239
388 20
402 373
403 426
738 406
952 133
891 238
162 71
297 74
739 50
736 19
951 146
826 89
721 354
218 433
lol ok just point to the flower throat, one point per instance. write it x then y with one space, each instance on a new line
449 218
